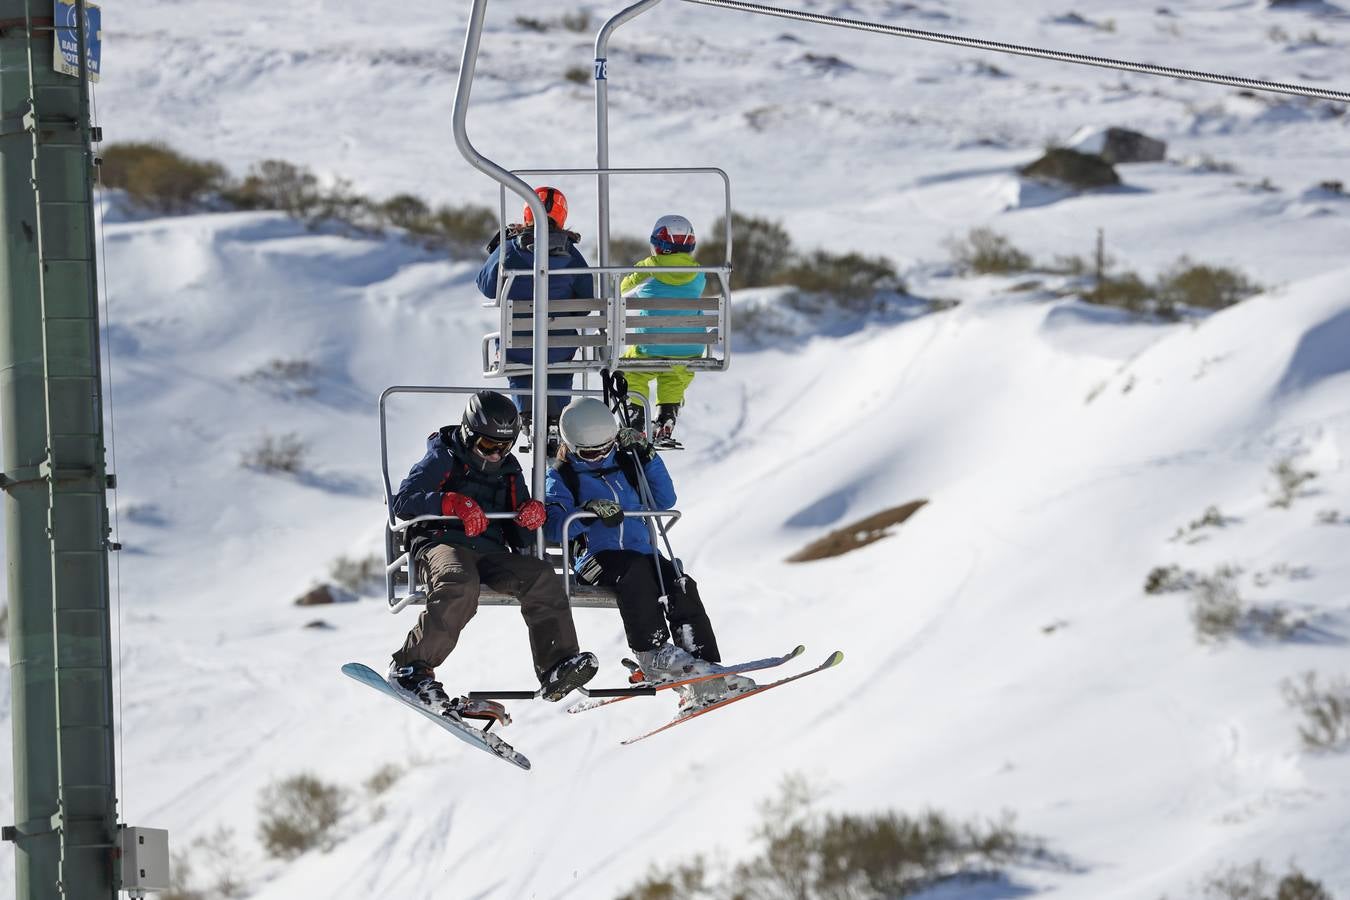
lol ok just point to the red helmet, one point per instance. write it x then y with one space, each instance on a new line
555 204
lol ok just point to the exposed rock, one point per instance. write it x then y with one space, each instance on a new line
1118 145
323 595
1077 170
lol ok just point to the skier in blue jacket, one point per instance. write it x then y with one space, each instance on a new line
673 639
517 253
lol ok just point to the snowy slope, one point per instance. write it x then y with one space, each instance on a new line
1060 448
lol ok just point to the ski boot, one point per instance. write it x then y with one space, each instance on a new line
671 663
417 681
527 435
637 416
554 438
664 437
568 675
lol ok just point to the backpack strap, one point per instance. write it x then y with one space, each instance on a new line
628 464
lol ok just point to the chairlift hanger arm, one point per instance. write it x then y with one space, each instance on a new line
1081 59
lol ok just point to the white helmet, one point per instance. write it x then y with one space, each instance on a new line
673 234
588 428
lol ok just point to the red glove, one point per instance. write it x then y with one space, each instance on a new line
531 515
470 514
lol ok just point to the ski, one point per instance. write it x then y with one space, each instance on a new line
477 737
647 688
834 659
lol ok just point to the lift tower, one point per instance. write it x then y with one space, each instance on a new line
54 479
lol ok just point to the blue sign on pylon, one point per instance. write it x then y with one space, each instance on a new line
66 56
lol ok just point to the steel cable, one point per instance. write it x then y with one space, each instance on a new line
1254 84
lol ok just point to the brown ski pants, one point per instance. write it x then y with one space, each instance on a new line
453 576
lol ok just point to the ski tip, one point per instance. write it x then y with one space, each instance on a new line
797 651
835 659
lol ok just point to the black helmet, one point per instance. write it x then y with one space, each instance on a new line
492 416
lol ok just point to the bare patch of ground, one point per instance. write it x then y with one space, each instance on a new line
859 534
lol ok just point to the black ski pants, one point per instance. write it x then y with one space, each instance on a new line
453 576
646 622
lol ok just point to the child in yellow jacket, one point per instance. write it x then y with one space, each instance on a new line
673 244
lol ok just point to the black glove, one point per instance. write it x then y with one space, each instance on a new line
512 231
609 512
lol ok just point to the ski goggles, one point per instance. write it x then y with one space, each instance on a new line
592 454
488 446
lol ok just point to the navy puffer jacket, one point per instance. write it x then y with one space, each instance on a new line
447 467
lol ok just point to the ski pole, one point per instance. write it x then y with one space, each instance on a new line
615 385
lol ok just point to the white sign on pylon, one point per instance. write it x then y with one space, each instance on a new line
66 50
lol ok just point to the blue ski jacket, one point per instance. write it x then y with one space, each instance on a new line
562 254
651 282
518 253
604 480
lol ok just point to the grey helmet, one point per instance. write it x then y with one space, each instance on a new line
586 424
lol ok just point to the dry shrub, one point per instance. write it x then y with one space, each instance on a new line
1217 610
1201 287
809 856
1126 291
286 378
298 814
986 252
1216 607
762 249
278 185
579 21
276 455
1256 882
1289 481
850 279
384 778
357 574
1325 710
1168 579
859 534
682 881
159 178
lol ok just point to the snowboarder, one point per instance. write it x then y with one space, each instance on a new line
596 471
518 254
673 243
469 471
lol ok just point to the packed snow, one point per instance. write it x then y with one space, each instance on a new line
1000 652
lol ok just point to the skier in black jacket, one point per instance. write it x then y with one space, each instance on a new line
469 471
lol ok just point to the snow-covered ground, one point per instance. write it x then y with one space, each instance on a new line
1000 651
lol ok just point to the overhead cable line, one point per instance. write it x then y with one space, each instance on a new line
1254 84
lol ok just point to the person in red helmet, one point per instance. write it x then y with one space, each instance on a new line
517 254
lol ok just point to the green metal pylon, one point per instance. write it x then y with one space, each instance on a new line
55 478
